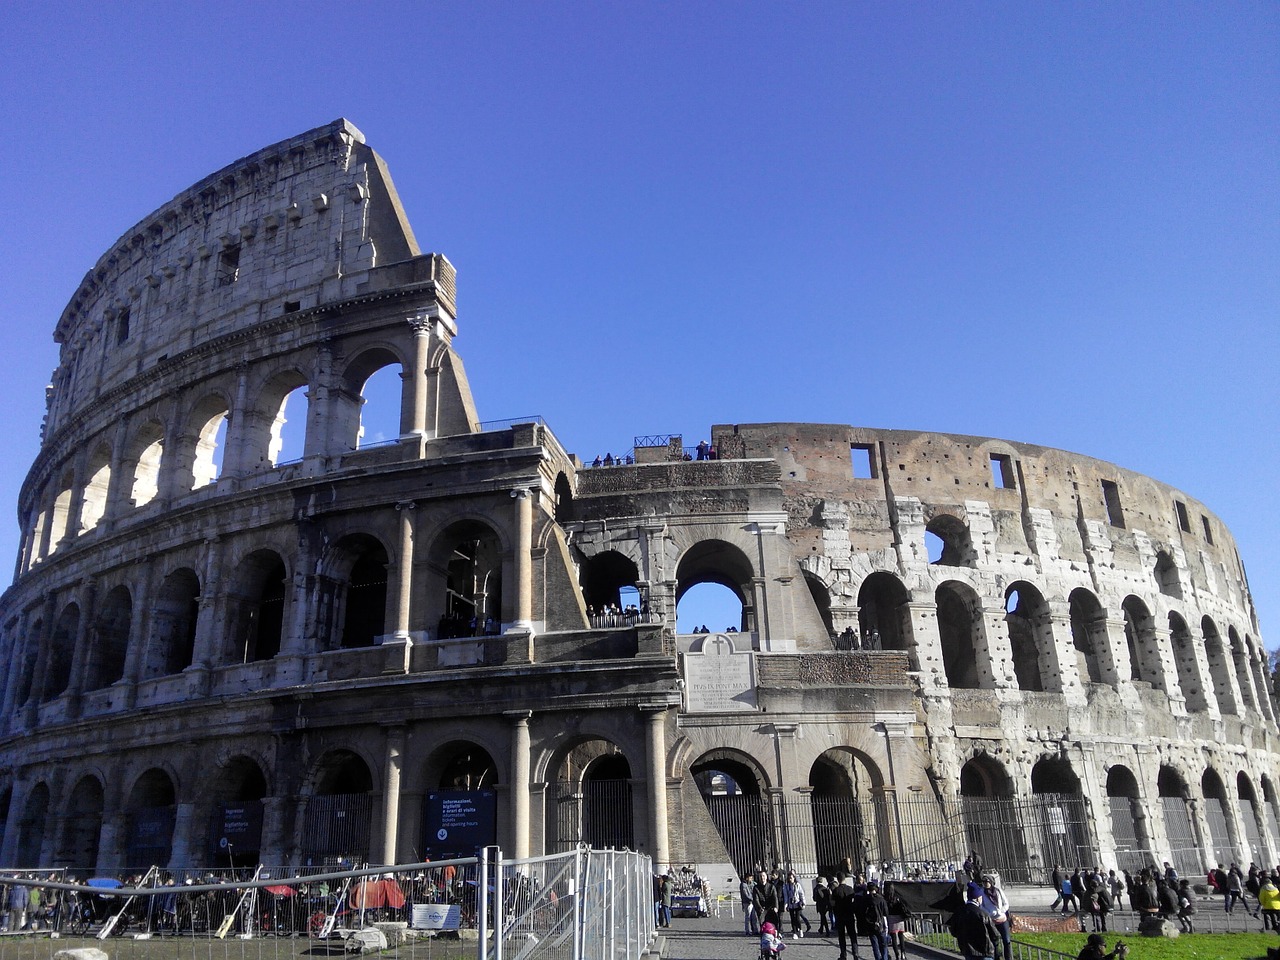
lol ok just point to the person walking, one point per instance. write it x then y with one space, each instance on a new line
899 914
997 906
766 900
822 903
750 921
842 909
793 896
872 920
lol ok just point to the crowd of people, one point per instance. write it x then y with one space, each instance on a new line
849 906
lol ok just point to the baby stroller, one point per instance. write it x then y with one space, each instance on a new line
771 943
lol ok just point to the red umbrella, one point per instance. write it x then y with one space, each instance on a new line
281 890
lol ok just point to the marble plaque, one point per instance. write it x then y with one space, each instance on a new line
719 678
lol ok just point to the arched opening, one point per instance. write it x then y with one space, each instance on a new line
1219 667
173 624
82 828
6 800
723 564
150 816
947 542
1184 850
35 813
592 796
1248 799
563 499
255 607
108 652
467 779
883 612
709 607
849 815
1221 833
605 577
730 785
1030 634
338 813
959 622
62 646
1271 812
1244 677
1184 657
1140 637
469 555
61 516
1088 634
235 815
287 432
351 607
990 815
1128 822
202 448
1260 676
147 448
1166 574
1060 820
821 599
93 502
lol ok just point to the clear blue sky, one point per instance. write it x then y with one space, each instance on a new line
1057 223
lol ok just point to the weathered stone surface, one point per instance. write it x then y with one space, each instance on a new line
369 940
921 614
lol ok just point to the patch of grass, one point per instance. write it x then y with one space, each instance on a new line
1189 946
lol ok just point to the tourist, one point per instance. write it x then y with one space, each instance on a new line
793 897
766 900
845 921
976 935
750 920
1097 943
872 914
822 903
899 914
1269 902
1186 906
997 906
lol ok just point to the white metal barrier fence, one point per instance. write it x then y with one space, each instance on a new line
579 905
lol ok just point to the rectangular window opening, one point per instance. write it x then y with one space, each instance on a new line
122 326
292 306
1002 471
862 456
1111 494
1184 521
1208 530
228 266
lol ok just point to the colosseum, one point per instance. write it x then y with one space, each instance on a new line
217 650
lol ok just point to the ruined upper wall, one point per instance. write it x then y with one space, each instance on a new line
292 226
1041 500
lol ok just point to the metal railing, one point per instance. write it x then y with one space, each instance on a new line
579 905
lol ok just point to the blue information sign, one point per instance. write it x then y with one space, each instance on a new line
457 823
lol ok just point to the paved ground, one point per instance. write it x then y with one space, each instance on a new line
712 938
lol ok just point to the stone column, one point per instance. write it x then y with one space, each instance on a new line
400 646
656 776
391 794
85 630
272 846
184 830
418 386
235 458
519 782
208 647
523 621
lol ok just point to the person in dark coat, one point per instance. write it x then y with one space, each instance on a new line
822 903
842 909
766 899
976 935
872 919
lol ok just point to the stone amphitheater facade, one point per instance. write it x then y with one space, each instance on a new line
214 655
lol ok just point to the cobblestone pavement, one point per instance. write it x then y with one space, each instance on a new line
721 938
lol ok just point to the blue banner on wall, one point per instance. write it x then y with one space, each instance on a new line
457 823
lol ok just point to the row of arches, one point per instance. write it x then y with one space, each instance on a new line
1208 666
236 815
235 427
1196 825
261 604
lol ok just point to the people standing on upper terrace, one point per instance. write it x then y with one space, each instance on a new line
702 448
